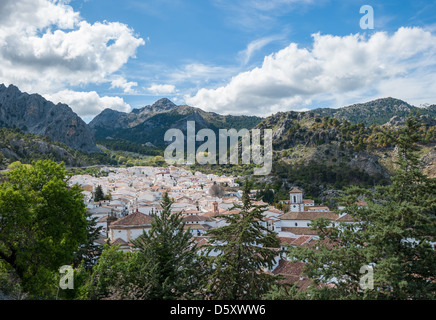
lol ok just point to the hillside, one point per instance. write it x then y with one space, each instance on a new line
149 124
376 112
15 145
33 114
318 153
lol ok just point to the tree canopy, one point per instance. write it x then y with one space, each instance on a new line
42 223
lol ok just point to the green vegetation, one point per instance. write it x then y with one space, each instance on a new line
125 145
244 248
43 223
166 265
375 112
393 237
315 177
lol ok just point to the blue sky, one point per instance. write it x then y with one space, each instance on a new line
237 57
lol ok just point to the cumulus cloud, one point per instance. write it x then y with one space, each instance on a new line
127 86
88 104
294 77
45 46
162 89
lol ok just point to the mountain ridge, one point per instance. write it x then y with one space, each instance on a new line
33 114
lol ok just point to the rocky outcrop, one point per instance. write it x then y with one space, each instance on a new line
33 114
148 125
112 119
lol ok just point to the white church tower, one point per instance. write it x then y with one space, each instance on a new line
296 197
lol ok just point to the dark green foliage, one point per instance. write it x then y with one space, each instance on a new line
89 252
375 112
266 195
394 235
244 248
167 263
98 194
314 177
165 266
42 224
125 145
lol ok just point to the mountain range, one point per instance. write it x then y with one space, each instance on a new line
353 136
148 125
33 114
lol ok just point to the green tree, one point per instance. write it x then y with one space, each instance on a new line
42 223
167 265
243 248
89 251
98 194
110 276
392 236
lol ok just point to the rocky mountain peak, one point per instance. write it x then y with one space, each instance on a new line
163 104
33 114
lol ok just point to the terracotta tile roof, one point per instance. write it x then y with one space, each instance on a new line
314 208
308 201
201 241
301 240
194 218
289 268
300 231
291 273
309 215
286 240
346 218
295 190
102 219
196 226
134 219
119 241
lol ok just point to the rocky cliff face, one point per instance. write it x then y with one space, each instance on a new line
376 112
33 114
309 137
149 124
109 118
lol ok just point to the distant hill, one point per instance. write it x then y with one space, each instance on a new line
149 124
315 151
33 114
16 145
376 112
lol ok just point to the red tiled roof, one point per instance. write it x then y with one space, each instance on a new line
295 190
346 218
309 215
300 230
135 219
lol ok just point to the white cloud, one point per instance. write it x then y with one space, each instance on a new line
162 89
254 46
294 77
120 82
88 104
45 47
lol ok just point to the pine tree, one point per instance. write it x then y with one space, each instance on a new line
167 265
98 195
392 237
245 248
89 252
